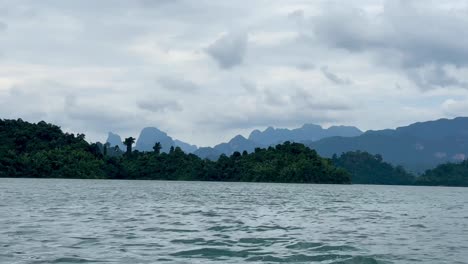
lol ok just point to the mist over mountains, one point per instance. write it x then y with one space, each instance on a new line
417 147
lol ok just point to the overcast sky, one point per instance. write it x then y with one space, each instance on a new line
205 70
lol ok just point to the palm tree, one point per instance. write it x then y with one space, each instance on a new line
129 142
157 148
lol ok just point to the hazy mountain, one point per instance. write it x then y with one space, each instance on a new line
207 153
115 140
273 136
308 132
418 147
238 143
149 136
187 148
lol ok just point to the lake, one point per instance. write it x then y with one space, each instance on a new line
103 221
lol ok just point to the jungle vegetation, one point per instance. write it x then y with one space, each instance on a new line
42 150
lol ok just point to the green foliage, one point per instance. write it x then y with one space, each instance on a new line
129 142
366 168
43 150
288 162
450 174
157 148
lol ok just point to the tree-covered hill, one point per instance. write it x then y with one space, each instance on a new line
366 168
450 174
43 151
288 162
417 147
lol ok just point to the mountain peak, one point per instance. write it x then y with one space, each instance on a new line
114 140
308 132
238 138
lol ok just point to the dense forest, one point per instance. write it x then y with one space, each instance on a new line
449 174
366 168
42 150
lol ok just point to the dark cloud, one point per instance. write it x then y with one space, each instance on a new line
415 33
178 84
229 50
333 77
96 50
434 76
159 105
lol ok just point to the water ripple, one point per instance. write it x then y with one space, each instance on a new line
86 221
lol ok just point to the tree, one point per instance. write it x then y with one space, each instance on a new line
157 148
129 142
106 146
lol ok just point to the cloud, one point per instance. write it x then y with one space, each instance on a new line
305 66
178 84
249 86
455 107
333 77
229 50
434 76
288 107
158 105
407 34
100 59
3 26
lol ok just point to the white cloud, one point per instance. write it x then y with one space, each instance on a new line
95 66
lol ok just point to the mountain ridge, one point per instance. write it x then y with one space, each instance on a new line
418 146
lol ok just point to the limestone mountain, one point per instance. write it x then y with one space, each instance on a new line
148 137
418 146
115 140
308 132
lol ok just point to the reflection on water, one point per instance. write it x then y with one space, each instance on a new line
97 221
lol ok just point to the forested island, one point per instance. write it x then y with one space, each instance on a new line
43 150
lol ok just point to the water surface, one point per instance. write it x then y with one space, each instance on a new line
100 221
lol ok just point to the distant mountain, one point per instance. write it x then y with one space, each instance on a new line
207 153
148 137
238 143
417 147
273 136
187 148
308 132
115 140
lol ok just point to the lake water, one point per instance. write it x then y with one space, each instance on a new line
100 221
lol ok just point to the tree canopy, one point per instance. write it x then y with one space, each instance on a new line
42 150
366 168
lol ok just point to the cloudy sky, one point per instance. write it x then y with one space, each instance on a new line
205 70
